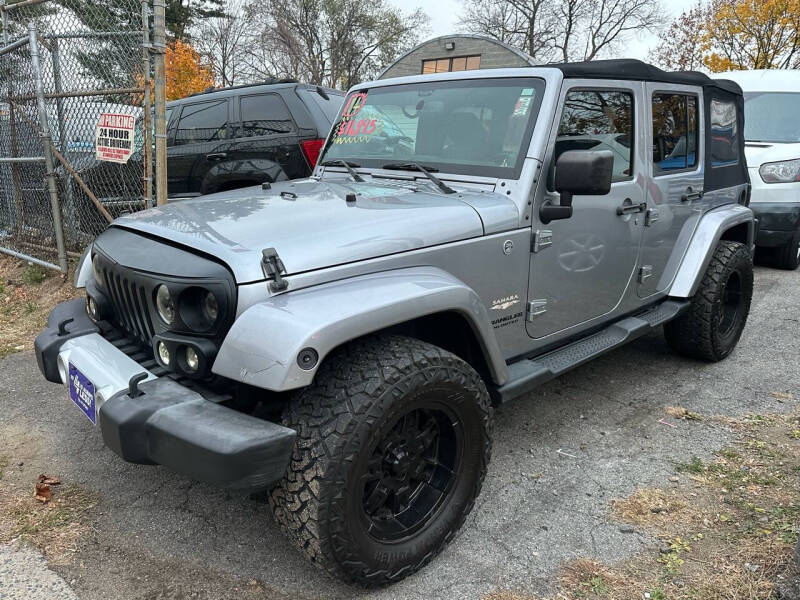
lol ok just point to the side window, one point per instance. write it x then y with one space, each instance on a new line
674 132
202 122
599 120
724 134
265 114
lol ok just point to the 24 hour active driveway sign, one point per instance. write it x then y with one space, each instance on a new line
113 139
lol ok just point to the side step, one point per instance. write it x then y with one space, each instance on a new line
527 374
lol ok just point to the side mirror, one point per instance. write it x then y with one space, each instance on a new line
581 172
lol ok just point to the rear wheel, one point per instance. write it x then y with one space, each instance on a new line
713 325
392 447
788 255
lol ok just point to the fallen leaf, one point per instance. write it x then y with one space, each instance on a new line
49 479
42 492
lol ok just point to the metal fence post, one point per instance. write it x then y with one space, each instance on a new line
47 141
72 220
160 48
147 126
16 179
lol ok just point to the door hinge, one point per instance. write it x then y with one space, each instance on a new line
650 217
535 308
644 272
542 238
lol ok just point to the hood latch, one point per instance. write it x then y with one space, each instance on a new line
272 265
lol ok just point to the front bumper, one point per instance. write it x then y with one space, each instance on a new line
168 423
777 222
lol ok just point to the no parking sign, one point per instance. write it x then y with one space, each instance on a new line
114 137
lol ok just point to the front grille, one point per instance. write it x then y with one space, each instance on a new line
129 305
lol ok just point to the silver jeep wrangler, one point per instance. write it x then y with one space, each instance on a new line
341 341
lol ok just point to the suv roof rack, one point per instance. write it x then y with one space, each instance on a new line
270 81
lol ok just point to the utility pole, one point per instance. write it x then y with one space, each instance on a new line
160 50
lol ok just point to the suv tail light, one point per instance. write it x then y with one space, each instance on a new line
311 149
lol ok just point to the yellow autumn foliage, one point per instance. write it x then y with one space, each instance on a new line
186 74
751 34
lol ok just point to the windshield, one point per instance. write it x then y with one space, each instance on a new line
771 117
478 126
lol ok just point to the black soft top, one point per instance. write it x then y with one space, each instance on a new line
729 144
632 69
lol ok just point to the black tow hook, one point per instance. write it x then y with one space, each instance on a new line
133 385
62 327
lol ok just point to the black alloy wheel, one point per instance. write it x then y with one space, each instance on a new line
393 440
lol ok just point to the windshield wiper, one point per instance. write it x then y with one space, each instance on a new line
412 166
349 166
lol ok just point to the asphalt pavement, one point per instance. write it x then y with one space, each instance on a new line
560 455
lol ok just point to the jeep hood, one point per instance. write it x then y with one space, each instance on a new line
312 226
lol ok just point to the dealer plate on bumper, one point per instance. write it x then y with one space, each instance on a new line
81 392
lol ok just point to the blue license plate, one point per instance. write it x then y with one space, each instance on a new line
81 391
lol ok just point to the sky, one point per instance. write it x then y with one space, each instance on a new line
444 16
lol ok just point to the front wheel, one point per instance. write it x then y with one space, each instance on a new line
713 325
393 439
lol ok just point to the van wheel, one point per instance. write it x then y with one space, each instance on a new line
711 328
789 255
393 440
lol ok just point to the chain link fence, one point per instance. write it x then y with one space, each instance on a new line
67 67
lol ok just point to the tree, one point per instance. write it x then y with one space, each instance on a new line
186 74
681 45
562 30
328 42
723 35
223 41
753 34
182 15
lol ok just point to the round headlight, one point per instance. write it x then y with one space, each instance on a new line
96 272
192 360
210 307
163 353
165 304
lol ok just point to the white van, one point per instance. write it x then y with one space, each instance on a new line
772 136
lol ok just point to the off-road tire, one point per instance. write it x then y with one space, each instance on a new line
788 256
703 332
359 392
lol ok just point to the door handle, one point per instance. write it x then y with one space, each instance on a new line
690 195
217 156
627 209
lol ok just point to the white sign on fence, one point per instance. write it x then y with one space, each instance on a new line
113 139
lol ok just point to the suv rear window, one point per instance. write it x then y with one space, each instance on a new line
202 122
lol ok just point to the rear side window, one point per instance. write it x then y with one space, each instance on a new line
724 133
265 114
202 122
675 123
329 108
599 120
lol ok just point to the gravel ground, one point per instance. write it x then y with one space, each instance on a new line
560 456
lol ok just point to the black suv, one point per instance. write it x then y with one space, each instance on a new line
246 135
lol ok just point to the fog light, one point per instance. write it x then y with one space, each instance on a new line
192 360
163 353
91 308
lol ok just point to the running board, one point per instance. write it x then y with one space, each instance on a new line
527 374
